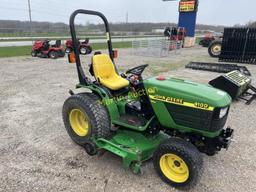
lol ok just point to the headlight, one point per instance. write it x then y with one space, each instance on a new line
223 112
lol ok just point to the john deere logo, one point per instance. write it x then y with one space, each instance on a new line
152 90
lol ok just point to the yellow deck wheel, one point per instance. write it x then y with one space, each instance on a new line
174 168
79 122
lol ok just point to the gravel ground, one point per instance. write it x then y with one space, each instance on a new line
36 154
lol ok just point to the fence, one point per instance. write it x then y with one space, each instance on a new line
239 45
155 47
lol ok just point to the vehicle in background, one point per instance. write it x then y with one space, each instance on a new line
214 48
206 41
209 38
84 47
43 49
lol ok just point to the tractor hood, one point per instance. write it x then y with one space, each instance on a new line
182 91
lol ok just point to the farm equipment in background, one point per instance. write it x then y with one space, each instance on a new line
43 49
209 38
238 45
206 41
218 67
214 48
237 85
166 119
175 34
84 47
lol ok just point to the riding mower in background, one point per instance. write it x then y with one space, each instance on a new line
162 118
84 47
42 48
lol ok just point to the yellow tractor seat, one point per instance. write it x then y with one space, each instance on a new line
105 73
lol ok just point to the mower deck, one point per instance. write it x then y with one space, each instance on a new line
132 146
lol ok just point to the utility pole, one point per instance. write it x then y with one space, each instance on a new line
127 17
30 19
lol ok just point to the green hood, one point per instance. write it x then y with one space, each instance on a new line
187 91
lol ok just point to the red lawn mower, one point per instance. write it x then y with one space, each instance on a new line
43 49
84 47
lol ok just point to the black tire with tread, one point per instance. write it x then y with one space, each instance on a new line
33 53
213 43
61 53
189 153
97 114
83 47
53 55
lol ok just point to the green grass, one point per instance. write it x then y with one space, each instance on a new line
26 50
116 45
15 51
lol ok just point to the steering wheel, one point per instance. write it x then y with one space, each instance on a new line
137 70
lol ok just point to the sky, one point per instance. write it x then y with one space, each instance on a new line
216 12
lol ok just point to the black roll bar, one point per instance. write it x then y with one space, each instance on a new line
81 74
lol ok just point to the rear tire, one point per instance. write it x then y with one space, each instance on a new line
178 163
214 49
33 53
61 53
95 114
53 55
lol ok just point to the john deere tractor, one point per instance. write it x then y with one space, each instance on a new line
169 120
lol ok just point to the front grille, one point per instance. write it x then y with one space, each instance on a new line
195 118
217 123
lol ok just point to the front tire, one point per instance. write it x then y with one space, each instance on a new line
33 53
83 50
53 55
214 49
84 117
178 163
68 50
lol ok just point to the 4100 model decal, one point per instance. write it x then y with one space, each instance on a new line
178 101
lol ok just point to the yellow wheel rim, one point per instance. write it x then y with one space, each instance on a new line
79 122
216 49
174 168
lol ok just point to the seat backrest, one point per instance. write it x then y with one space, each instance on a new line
58 43
103 66
46 45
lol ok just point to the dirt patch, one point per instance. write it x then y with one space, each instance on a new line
38 155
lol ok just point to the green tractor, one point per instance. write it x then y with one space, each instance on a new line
162 118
